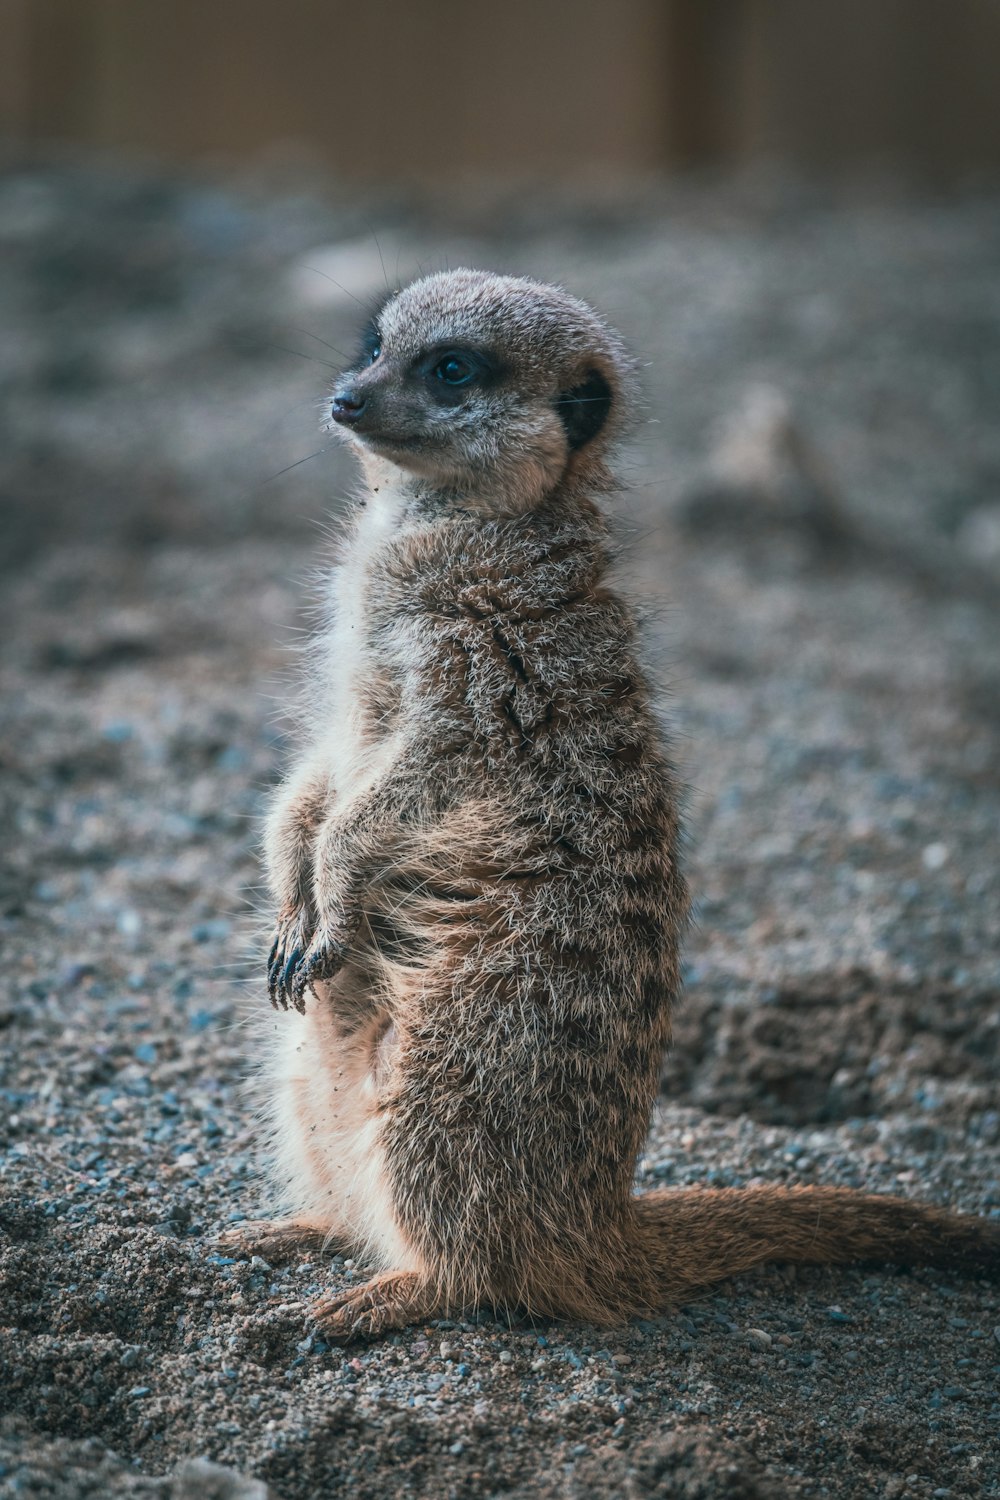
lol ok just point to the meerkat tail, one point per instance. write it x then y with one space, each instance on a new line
694 1237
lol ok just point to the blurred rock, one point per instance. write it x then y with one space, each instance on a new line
59 1469
200 1479
339 275
764 478
979 536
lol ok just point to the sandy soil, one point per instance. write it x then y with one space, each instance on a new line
820 580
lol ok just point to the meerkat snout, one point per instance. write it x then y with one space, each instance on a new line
454 383
348 407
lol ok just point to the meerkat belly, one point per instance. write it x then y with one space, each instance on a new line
327 1122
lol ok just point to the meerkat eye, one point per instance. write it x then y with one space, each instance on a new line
375 354
453 370
450 373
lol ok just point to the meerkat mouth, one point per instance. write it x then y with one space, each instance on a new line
392 440
394 445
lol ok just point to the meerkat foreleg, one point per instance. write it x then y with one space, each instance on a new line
289 841
350 848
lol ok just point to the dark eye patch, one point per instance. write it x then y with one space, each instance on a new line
583 410
451 372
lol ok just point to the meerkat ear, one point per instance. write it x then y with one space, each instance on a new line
583 410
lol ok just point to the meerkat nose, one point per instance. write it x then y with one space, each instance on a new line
347 406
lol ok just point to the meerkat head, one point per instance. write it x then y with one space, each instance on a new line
495 386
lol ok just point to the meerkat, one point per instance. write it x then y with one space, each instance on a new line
476 865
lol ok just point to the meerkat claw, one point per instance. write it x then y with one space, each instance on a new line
287 981
391 1300
276 986
322 960
290 942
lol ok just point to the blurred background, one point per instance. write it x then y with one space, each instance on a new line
196 196
191 191
791 210
392 91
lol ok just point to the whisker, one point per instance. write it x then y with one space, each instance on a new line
273 427
381 262
325 449
287 349
582 401
334 282
326 345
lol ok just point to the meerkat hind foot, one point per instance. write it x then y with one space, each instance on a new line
391 1300
279 1240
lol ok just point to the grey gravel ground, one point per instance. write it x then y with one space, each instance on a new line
813 530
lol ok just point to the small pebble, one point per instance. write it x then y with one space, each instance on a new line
129 923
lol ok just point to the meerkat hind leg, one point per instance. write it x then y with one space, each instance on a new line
280 1240
391 1300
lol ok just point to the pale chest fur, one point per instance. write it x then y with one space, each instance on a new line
358 736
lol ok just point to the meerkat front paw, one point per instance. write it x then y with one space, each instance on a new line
291 940
391 1300
324 957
